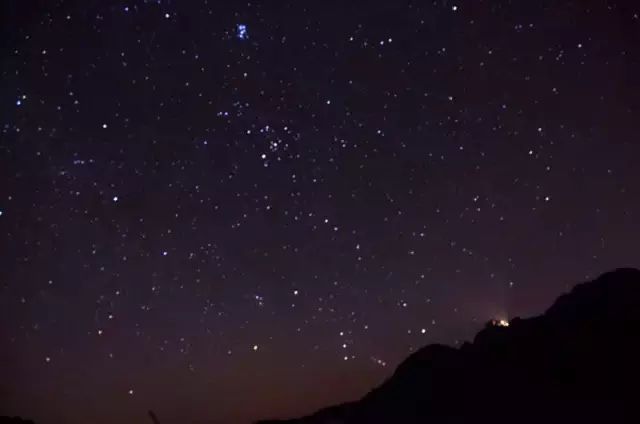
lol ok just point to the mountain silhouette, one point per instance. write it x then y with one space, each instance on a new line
576 363
14 420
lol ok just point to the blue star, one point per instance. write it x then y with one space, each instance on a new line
241 32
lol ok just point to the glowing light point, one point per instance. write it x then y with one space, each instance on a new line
501 323
241 32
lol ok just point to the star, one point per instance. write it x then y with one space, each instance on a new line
241 32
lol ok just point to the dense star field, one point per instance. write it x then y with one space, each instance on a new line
225 211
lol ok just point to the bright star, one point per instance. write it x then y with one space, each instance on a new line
241 32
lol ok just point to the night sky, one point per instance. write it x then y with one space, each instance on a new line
225 211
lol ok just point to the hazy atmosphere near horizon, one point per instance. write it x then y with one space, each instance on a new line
226 210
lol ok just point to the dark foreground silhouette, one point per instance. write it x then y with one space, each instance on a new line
14 420
577 363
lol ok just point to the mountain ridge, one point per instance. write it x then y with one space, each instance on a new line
574 362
